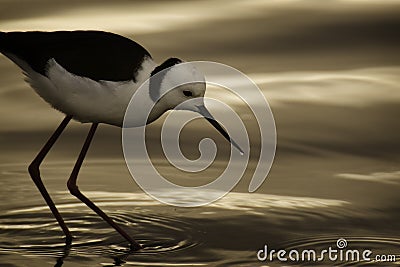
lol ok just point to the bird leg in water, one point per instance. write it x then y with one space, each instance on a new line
35 175
73 188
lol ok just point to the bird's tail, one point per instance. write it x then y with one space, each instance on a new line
2 38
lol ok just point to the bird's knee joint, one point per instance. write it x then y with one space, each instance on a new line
33 170
73 189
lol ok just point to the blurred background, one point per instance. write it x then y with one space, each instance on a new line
330 71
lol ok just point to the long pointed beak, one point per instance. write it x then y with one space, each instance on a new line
207 115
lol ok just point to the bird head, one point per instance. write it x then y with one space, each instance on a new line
174 84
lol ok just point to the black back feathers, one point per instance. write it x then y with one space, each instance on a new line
155 81
93 54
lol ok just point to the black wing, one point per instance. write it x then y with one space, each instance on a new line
94 54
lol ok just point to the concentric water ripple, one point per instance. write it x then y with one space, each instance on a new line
29 231
157 233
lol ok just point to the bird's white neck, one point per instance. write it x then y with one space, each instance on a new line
148 65
142 100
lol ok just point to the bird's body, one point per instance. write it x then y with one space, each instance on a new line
96 90
85 99
91 76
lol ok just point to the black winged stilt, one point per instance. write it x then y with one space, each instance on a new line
90 76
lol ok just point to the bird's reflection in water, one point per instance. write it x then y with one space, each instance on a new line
60 260
118 258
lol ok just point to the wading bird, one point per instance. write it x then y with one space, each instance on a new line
90 76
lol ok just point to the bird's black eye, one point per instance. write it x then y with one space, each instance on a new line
187 93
